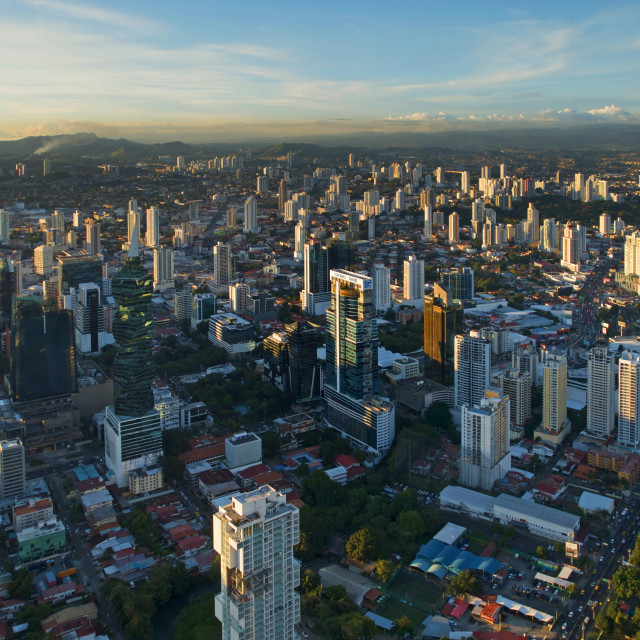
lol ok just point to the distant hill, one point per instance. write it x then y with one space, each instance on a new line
90 148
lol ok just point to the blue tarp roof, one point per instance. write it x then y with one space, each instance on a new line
435 553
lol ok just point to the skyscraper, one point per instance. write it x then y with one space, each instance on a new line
163 269
5 226
464 182
601 389
315 295
485 456
222 267
92 228
629 399
43 260
12 469
276 360
89 319
152 238
472 364
7 289
74 270
43 362
133 224
427 229
555 425
250 214
518 387
533 224
203 306
255 534
454 228
413 279
133 434
524 359
442 322
352 405
382 287
304 372
300 237
459 281
283 195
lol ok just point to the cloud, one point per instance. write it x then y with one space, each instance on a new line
609 113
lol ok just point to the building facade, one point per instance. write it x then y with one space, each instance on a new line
601 390
472 364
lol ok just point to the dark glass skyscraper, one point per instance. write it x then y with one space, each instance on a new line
352 405
442 321
43 363
75 270
132 289
304 376
459 281
7 288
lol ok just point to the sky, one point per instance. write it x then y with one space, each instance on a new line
211 70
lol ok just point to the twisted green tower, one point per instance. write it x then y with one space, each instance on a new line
132 289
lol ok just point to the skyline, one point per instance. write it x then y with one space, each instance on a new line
150 73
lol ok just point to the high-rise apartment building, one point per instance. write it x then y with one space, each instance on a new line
601 389
485 456
352 405
74 270
89 319
315 295
555 425
7 290
43 260
255 534
12 469
442 322
250 214
163 269
629 399
454 228
133 433
632 254
524 359
413 279
427 229
222 267
276 360
239 294
472 364
382 287
152 237
133 224
92 230
283 195
533 224
300 237
460 282
464 182
517 386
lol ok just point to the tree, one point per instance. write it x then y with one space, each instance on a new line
626 582
402 626
541 552
384 570
438 414
362 545
463 583
302 471
536 462
336 592
172 468
271 444
410 525
20 585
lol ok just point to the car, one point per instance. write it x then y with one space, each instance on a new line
580 609
597 587
571 613
601 558
521 573
564 626
304 634
586 621
593 584
581 592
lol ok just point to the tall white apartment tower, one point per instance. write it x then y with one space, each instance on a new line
163 269
413 279
472 364
632 254
428 221
533 224
381 287
601 389
629 399
605 224
454 227
133 224
250 214
222 266
300 239
152 239
485 456
464 182
255 534
554 395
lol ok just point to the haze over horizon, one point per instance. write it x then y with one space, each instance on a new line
230 72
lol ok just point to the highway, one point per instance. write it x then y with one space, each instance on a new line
596 589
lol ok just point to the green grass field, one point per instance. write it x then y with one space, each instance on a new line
424 596
394 609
